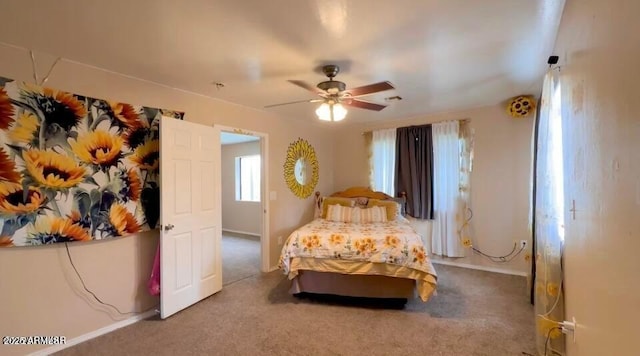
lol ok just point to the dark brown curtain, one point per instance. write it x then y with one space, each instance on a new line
532 290
414 169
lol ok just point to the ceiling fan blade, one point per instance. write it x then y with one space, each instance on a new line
295 102
307 86
369 89
363 104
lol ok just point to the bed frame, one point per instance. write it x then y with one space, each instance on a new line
363 192
313 283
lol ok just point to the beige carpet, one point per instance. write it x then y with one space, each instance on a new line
240 256
474 313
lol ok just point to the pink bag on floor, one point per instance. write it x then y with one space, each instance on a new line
154 281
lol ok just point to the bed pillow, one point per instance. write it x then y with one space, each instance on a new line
356 215
326 201
392 208
339 213
374 214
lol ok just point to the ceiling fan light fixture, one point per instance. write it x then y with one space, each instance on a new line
324 112
332 92
339 112
331 112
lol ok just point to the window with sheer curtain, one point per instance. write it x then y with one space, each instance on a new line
383 161
549 219
445 240
452 151
248 178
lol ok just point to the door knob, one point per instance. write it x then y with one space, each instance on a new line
168 227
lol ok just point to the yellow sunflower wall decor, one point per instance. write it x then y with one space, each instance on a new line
521 106
74 168
301 172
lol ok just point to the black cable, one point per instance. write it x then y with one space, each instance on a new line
501 259
498 257
90 292
546 342
514 256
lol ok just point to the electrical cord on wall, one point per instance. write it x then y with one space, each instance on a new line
546 314
496 259
42 82
546 342
501 259
66 245
561 284
35 72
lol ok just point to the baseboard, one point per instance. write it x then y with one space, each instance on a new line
88 336
273 268
241 232
481 268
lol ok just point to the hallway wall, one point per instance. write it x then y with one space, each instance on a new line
238 216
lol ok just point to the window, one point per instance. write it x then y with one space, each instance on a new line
556 164
248 178
383 161
435 162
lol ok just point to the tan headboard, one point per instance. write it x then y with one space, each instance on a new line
365 192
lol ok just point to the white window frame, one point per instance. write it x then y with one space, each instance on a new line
254 191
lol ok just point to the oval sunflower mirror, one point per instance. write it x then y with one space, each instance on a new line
301 168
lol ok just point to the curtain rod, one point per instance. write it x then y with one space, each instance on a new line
435 122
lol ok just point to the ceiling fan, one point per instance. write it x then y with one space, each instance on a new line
334 94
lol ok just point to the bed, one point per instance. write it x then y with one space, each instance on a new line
350 250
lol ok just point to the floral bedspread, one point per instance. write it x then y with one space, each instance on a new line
392 242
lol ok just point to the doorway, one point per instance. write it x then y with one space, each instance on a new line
243 163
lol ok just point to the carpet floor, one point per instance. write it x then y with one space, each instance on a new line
240 257
474 313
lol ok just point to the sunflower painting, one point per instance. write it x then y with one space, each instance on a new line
74 168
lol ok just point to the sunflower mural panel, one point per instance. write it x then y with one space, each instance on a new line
74 168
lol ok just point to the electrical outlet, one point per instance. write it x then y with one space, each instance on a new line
569 327
279 240
523 243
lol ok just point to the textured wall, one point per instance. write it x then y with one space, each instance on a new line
599 49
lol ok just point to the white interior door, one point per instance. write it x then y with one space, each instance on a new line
190 261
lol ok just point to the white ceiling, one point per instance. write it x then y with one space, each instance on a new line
228 138
441 55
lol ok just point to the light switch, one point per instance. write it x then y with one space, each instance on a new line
272 195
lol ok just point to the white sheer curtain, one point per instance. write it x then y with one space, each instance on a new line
384 161
249 180
549 219
445 240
